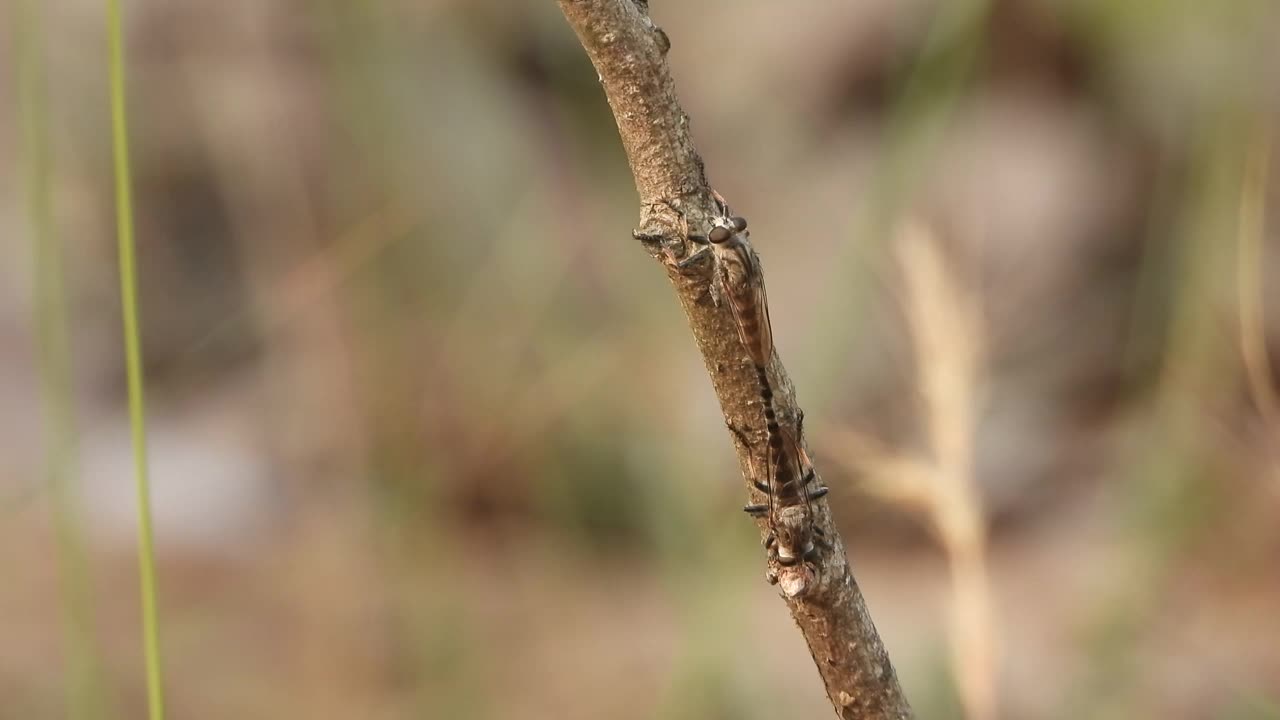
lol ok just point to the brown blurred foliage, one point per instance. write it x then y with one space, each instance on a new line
429 436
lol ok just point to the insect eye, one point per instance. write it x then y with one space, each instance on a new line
718 234
739 224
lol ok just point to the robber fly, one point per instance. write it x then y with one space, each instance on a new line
793 535
794 538
737 279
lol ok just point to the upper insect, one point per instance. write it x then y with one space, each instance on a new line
740 281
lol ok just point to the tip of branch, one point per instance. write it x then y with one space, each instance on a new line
795 581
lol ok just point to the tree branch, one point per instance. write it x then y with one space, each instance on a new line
629 53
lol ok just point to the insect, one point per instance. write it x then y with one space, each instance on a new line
793 536
738 279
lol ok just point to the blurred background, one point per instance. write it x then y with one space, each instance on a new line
429 435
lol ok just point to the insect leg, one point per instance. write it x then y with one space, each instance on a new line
754 509
820 541
742 437
721 203
809 474
647 237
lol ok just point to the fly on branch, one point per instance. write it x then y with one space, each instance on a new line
794 537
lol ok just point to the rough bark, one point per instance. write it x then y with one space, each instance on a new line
629 54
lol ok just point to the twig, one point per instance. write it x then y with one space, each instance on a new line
629 54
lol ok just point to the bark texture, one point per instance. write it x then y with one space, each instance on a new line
629 54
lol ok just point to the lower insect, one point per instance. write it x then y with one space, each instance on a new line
794 540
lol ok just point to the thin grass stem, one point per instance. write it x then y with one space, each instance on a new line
84 693
133 361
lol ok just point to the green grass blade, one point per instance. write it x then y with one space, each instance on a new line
133 361
85 697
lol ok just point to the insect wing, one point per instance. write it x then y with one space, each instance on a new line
804 466
748 302
765 348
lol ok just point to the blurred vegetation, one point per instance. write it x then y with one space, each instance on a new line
430 438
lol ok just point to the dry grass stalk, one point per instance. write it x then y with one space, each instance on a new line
1250 262
946 330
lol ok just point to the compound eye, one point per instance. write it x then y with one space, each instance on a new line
739 224
718 234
